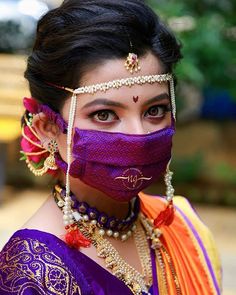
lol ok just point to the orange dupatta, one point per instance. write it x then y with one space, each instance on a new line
190 247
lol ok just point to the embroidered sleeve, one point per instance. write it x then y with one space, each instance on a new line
29 267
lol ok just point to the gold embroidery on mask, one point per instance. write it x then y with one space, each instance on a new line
132 178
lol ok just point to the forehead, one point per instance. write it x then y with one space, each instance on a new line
115 69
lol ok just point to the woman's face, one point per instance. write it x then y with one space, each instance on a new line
139 109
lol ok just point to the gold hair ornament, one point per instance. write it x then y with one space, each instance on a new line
132 63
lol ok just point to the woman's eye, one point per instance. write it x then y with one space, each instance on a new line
104 116
157 111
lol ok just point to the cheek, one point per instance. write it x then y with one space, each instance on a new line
166 122
83 122
61 141
168 119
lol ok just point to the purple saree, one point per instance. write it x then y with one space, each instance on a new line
35 262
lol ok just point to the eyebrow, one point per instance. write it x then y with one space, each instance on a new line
157 98
107 102
103 101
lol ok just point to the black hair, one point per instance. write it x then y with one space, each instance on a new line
80 34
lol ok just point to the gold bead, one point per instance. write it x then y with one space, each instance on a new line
157 232
128 278
137 289
118 272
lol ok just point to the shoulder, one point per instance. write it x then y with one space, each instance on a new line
48 218
200 232
188 221
28 265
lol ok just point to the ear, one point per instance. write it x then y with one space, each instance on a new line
45 128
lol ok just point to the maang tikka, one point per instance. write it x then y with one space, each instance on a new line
132 62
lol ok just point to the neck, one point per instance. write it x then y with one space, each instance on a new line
97 199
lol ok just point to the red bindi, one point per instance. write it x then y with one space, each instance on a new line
135 98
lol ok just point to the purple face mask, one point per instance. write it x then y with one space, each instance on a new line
120 165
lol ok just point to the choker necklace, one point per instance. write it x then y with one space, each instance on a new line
110 226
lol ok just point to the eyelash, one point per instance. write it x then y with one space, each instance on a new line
165 109
106 111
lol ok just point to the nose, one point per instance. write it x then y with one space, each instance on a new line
135 126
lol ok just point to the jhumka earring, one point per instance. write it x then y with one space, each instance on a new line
48 164
37 150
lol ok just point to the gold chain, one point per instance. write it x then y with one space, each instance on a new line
119 268
116 84
161 273
144 252
172 269
162 255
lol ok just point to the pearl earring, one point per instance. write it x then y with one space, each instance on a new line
166 216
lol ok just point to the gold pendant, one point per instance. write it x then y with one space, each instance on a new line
132 63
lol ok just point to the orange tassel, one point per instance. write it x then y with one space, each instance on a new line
75 239
166 216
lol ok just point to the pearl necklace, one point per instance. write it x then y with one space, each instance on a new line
110 226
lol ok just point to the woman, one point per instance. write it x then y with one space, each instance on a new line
101 120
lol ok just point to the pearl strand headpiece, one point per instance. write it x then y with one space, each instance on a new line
91 89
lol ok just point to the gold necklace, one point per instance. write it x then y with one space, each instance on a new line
143 248
162 255
119 268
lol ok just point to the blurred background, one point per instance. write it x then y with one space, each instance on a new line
204 157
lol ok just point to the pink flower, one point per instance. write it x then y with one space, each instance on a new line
32 144
31 105
28 147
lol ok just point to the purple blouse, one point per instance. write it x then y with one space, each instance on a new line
36 262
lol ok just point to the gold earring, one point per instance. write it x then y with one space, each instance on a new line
48 164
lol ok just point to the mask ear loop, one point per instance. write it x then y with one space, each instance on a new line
172 98
74 238
67 211
166 216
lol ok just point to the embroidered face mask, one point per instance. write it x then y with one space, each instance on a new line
120 165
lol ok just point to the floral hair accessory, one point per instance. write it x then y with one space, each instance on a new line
30 142
39 159
31 105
